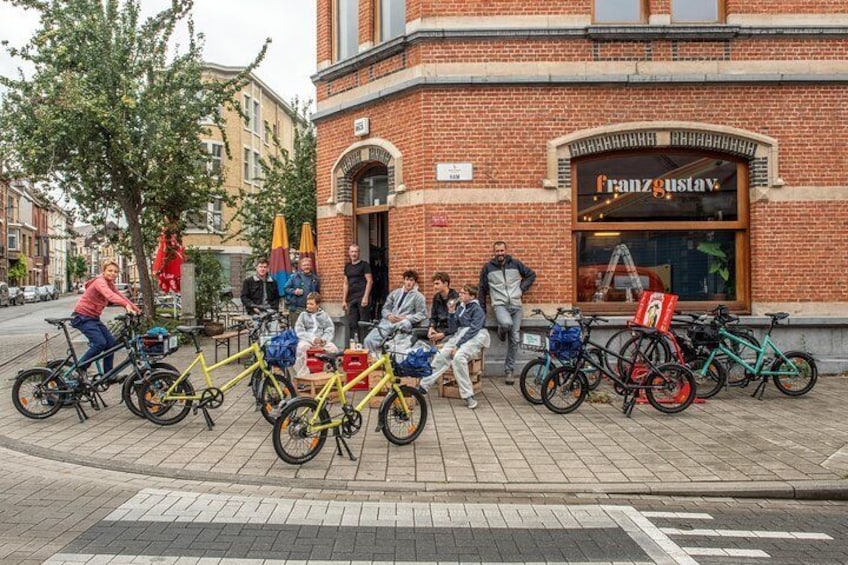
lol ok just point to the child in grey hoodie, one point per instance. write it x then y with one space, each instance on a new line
314 330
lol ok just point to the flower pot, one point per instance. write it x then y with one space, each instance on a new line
213 328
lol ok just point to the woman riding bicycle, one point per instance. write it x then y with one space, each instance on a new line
99 293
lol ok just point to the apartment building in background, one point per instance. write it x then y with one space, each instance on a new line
250 139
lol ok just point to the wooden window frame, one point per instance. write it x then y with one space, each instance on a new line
643 12
721 11
741 226
362 210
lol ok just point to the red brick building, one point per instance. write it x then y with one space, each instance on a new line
706 141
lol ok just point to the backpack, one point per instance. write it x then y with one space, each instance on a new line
281 350
565 343
416 363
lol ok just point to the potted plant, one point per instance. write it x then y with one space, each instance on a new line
209 281
718 265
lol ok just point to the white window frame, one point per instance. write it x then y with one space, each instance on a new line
642 18
246 168
214 161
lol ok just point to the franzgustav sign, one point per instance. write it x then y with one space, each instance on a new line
659 187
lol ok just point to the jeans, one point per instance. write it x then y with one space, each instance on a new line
99 338
356 312
509 320
468 351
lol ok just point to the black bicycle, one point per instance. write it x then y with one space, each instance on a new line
669 387
40 392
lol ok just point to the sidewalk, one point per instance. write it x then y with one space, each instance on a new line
732 445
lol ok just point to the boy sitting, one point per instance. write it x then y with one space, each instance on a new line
314 330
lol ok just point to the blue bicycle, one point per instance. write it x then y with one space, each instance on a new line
534 372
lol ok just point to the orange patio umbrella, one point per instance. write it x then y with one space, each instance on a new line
280 264
307 245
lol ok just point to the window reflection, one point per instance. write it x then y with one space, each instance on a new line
695 265
372 189
618 11
392 19
347 28
683 11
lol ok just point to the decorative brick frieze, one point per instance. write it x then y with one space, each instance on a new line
714 141
613 142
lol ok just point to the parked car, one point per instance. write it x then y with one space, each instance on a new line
31 294
4 295
43 293
52 292
123 288
16 296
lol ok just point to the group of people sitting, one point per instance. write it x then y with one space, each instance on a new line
456 323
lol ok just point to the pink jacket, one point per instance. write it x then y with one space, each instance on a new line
99 293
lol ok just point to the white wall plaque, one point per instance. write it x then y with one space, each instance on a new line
361 126
451 172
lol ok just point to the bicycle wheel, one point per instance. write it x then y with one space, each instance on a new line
530 381
155 408
33 393
564 389
711 381
795 384
294 440
737 375
593 375
269 398
402 427
654 347
677 388
132 384
614 345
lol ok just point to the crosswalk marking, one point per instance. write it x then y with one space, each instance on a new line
724 552
706 532
681 515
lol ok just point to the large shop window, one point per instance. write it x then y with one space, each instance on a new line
664 221
346 24
619 11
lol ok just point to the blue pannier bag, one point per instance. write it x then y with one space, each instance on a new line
416 363
565 342
281 350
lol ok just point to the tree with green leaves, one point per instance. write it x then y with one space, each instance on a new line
288 188
76 268
113 115
18 271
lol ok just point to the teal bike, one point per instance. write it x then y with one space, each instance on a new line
794 372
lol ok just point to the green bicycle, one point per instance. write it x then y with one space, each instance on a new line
794 372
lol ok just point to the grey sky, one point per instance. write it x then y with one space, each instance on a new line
234 33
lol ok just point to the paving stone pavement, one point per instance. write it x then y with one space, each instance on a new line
732 444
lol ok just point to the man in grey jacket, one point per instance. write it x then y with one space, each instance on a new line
505 279
405 308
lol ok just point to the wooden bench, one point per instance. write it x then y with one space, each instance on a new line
447 384
224 339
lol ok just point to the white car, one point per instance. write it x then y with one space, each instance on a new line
31 294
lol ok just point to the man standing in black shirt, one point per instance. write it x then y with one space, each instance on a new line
439 310
356 291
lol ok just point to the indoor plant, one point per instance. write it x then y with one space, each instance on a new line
718 265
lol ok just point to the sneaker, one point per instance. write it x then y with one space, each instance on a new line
509 378
422 389
471 402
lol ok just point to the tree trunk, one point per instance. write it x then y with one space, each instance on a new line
137 241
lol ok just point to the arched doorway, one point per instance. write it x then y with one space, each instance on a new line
371 227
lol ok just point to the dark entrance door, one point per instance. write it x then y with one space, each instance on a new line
371 229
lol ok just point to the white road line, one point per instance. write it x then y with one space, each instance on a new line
724 552
655 543
682 515
753 534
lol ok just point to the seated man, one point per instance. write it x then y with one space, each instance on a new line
405 308
439 310
314 330
468 338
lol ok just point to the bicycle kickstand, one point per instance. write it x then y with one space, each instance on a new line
629 403
761 388
209 423
340 442
80 411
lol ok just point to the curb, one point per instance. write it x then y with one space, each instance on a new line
798 490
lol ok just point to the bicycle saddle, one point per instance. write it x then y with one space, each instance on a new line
778 315
58 322
327 356
189 329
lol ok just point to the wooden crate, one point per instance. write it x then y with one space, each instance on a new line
311 384
447 384
375 378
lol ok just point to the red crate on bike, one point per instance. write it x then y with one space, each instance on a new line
354 362
312 363
655 310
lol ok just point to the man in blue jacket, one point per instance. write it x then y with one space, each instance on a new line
467 340
299 286
505 279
